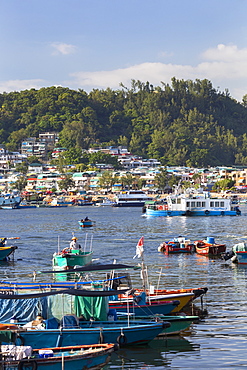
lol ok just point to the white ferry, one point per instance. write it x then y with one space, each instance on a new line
192 204
131 198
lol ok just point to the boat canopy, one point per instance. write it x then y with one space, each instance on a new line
112 266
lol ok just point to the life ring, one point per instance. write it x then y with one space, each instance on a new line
21 339
27 363
65 251
222 213
121 339
207 212
8 327
160 208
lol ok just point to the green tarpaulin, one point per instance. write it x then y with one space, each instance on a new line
96 307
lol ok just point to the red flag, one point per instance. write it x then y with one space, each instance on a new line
139 248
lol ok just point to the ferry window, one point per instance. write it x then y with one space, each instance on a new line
187 204
198 204
173 201
217 204
222 204
193 204
178 201
211 204
203 204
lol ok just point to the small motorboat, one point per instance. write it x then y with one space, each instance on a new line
86 223
177 245
209 247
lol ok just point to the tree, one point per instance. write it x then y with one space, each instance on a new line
22 167
21 183
66 182
107 180
161 179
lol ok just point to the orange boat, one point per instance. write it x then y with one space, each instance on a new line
159 295
209 247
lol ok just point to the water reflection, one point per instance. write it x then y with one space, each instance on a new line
156 354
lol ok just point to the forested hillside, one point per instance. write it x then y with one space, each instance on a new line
184 123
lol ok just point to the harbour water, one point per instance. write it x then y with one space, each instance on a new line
217 342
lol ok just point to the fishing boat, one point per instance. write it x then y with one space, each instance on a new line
178 324
146 303
73 328
209 247
105 202
72 256
193 203
83 202
10 200
86 223
68 259
177 245
238 254
131 198
79 357
5 252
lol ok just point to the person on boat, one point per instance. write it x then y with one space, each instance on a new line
74 244
3 242
38 324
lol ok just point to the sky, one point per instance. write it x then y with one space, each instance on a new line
96 44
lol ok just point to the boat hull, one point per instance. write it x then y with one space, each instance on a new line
242 257
168 213
6 251
80 357
169 248
70 260
86 223
214 250
159 304
92 332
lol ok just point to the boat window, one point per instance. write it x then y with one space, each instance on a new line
203 204
198 204
211 204
178 200
217 204
173 201
193 204
222 204
187 204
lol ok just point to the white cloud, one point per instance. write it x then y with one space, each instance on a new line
225 66
18 85
62 48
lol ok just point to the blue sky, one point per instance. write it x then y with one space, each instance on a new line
87 44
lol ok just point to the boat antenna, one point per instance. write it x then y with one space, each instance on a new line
91 243
85 245
58 245
158 284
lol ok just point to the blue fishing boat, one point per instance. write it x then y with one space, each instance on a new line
78 357
74 328
86 223
141 306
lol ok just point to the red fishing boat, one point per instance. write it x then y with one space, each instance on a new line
209 247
